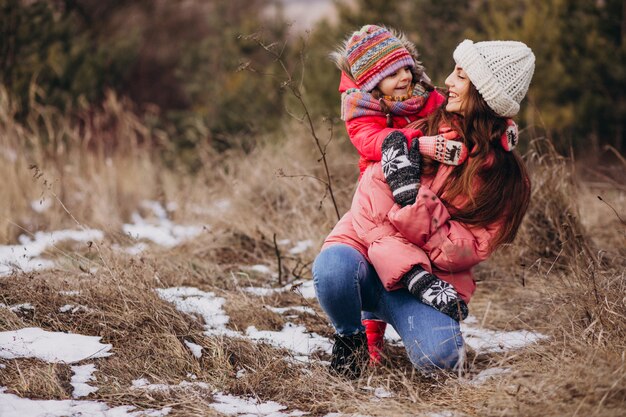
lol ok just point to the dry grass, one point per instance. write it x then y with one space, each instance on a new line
564 277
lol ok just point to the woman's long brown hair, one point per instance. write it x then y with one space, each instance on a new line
504 191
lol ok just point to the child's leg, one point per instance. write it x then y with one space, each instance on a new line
375 332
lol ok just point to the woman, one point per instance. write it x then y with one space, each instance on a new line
456 216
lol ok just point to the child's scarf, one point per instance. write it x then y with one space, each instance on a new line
357 103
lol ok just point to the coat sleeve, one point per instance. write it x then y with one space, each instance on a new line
391 254
368 132
451 245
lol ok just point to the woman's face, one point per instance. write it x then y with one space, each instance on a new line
396 84
458 89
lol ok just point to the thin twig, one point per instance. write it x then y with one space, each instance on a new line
278 257
612 208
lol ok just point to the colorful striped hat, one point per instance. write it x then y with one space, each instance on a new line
374 53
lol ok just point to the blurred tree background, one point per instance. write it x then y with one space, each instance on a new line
180 62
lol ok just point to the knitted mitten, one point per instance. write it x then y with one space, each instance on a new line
510 137
443 149
401 175
375 332
435 292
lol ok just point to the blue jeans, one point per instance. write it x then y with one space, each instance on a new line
346 284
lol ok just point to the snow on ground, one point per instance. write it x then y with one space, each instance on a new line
205 304
248 407
144 384
33 342
194 348
305 288
301 246
14 406
160 230
26 255
41 205
82 375
293 337
486 341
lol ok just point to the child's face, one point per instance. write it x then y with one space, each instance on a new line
458 88
396 84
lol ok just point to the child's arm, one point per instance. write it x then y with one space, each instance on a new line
368 132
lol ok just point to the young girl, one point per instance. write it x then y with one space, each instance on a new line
384 89
457 216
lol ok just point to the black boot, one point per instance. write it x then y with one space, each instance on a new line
349 355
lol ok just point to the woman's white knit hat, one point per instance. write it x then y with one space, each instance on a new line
500 70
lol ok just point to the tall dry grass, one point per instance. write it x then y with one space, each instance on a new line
561 277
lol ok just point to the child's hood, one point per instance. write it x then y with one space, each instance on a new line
346 82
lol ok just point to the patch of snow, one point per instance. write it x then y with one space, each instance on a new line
156 208
305 288
237 406
262 269
194 348
485 340
144 384
301 246
14 406
283 310
262 291
191 300
294 338
283 242
161 231
82 375
25 256
34 342
131 250
71 308
18 308
41 205
73 292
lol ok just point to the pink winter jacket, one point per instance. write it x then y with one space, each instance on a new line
395 238
368 132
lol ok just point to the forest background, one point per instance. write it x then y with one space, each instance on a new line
182 64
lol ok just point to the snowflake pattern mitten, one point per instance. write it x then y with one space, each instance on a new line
401 175
435 292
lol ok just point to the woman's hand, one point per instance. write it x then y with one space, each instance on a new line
402 167
435 292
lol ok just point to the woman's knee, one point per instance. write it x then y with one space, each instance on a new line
334 263
442 351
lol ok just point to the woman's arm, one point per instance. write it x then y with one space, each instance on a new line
451 245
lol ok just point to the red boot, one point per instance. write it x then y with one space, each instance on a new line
375 331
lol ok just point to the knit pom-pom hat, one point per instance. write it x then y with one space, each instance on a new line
500 70
374 53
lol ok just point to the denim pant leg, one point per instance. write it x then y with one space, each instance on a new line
432 339
345 284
